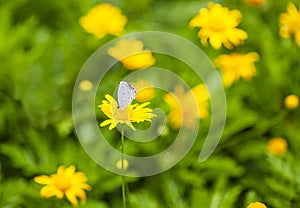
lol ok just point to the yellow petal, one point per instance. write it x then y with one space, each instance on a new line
48 191
81 194
195 22
106 122
109 98
253 56
112 125
72 198
228 79
236 36
143 105
216 41
297 38
43 179
291 8
61 170
85 186
284 32
70 170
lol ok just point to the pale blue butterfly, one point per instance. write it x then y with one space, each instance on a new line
126 94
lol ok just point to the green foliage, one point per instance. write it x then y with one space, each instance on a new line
42 51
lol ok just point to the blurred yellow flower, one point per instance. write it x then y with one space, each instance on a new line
235 66
125 164
291 101
218 24
104 19
132 113
255 2
256 205
277 146
182 103
85 85
66 182
144 89
132 54
290 23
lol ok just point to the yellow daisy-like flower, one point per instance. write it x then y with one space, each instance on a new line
277 146
218 24
86 85
125 164
144 89
182 109
104 19
235 66
132 54
256 205
132 113
291 101
290 23
66 182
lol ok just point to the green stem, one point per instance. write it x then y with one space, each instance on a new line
123 171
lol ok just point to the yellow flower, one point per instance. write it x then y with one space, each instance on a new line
66 182
132 113
131 54
236 66
290 23
125 164
85 85
291 101
181 103
104 19
145 90
218 24
256 205
277 146
255 2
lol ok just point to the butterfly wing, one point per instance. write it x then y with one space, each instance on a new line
126 94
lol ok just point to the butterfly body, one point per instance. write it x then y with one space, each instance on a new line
126 94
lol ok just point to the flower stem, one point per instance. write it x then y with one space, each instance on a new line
123 171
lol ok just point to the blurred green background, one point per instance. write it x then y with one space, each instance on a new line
42 49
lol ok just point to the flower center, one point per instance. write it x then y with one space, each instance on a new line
63 183
217 24
121 114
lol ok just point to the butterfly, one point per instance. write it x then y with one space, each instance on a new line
126 94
